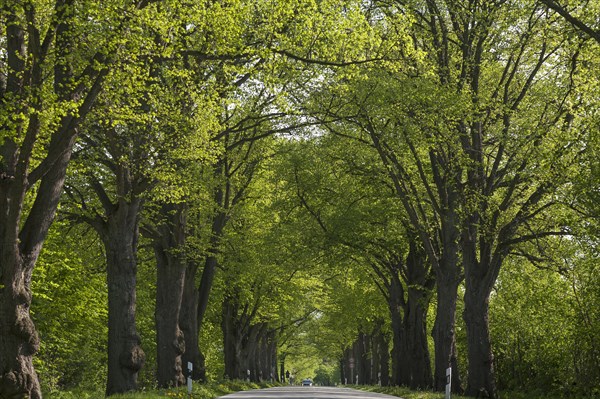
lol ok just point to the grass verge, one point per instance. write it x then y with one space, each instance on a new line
406 393
209 390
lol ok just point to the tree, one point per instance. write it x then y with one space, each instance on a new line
579 22
340 185
126 153
454 149
374 118
40 119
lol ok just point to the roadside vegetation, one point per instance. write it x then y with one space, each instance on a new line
200 391
406 393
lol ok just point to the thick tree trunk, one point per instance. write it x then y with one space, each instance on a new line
416 335
125 355
448 277
481 379
444 332
249 356
376 350
360 357
231 340
188 322
419 289
19 251
384 360
19 340
171 266
366 359
396 305
345 366
272 351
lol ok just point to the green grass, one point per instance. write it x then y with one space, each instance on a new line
406 393
200 391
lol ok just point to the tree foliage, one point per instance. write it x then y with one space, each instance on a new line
282 184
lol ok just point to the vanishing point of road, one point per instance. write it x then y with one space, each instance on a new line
307 393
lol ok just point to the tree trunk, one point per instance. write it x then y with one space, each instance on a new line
171 266
231 341
273 353
480 277
19 251
420 285
125 355
396 304
376 350
444 332
384 360
345 366
416 334
448 277
188 322
19 340
249 352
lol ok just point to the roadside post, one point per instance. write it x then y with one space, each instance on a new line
189 379
448 382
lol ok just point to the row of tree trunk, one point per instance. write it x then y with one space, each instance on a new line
366 362
250 349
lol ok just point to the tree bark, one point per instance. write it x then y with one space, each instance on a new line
396 305
249 348
22 234
188 322
481 380
125 355
19 340
448 278
419 291
416 335
360 356
169 249
444 333
231 340
480 276
345 366
384 359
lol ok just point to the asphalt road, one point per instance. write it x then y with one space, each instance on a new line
297 392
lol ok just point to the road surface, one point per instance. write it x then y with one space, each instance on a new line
297 392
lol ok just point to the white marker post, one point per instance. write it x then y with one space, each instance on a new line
189 379
448 382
